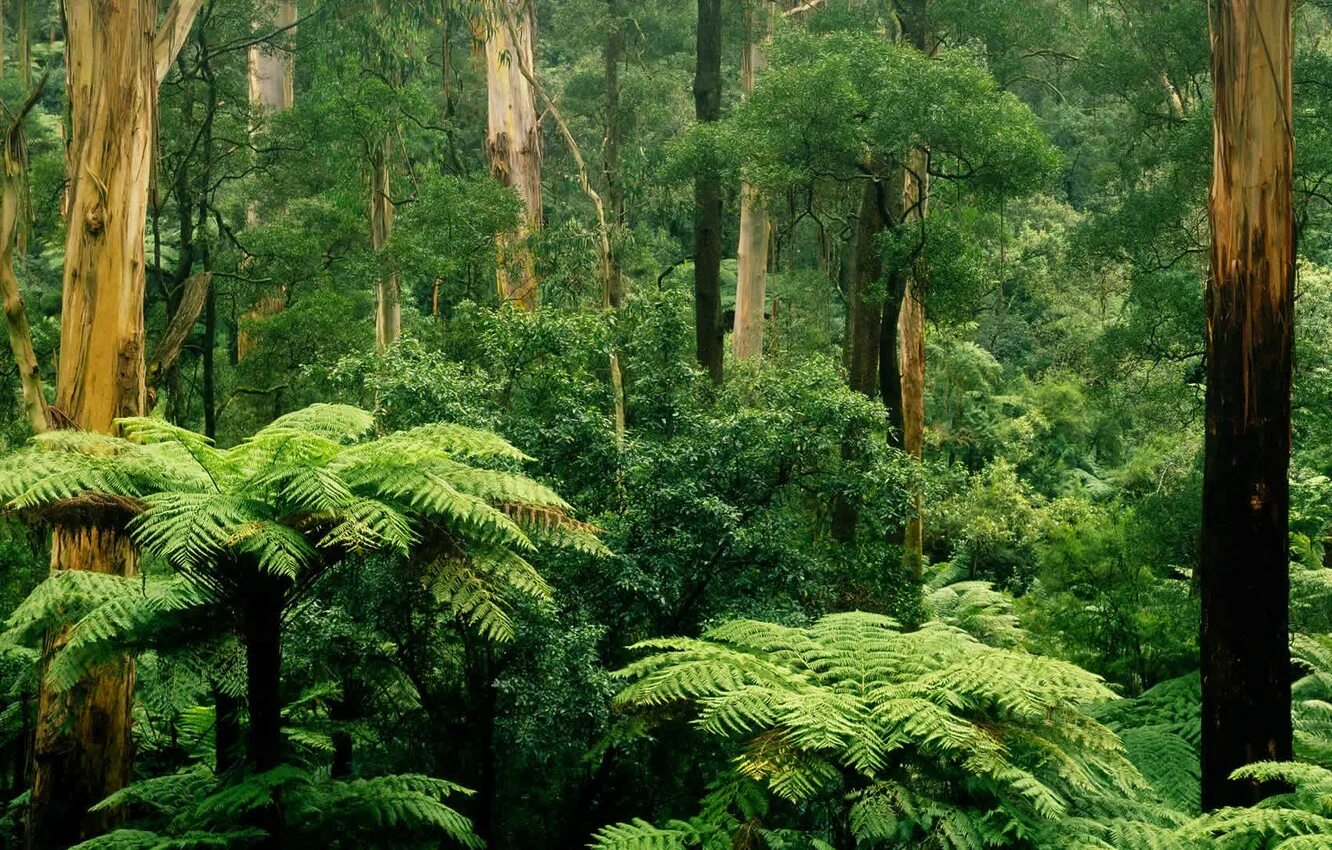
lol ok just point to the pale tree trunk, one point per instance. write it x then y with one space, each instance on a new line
1245 584
513 141
271 68
272 76
24 38
388 295
911 367
13 207
616 38
752 251
911 321
114 63
610 277
613 222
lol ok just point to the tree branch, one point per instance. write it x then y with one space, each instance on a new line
172 34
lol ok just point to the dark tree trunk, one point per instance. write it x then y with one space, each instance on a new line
890 373
708 197
1245 584
864 319
263 671
226 730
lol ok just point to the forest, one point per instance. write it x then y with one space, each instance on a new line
666 424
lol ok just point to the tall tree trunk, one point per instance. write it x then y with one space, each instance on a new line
1245 584
751 280
13 206
115 59
23 36
708 197
388 295
911 317
513 141
272 86
616 38
614 218
272 69
911 362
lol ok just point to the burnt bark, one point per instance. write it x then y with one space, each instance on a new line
1245 584
708 197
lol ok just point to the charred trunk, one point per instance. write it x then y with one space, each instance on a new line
1245 584
708 197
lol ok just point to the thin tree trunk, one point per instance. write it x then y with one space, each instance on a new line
1245 583
911 319
752 251
616 38
13 205
114 63
611 280
24 38
708 197
513 142
388 295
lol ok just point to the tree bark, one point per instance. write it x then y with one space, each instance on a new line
708 198
752 251
13 205
113 57
388 293
1245 584
83 744
272 86
610 153
272 69
261 620
513 142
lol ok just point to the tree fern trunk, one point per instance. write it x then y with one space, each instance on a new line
1250 303
263 672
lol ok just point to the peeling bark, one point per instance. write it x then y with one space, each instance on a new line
13 206
752 251
1245 585
272 78
513 142
83 745
388 293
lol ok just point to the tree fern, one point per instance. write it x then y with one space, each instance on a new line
306 490
959 744
190 809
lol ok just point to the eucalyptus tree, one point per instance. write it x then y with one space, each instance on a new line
1245 582
116 58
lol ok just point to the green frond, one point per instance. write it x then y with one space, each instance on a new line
1002 735
341 423
130 619
638 834
460 441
